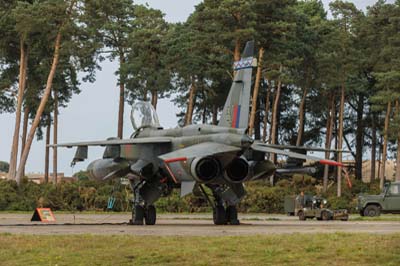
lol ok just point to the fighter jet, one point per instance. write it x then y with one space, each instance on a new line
212 159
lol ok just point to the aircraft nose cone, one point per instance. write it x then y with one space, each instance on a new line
246 141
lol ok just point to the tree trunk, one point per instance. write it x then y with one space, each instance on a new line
47 151
24 131
359 136
275 113
380 157
267 103
23 62
24 127
385 144
121 99
236 55
373 148
255 92
340 142
272 115
154 98
190 108
328 140
215 114
301 118
398 144
257 121
398 160
55 136
40 109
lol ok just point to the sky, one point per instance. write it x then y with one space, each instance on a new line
92 114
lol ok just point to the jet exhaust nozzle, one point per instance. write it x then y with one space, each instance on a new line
237 171
205 169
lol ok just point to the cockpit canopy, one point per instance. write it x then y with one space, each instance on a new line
144 115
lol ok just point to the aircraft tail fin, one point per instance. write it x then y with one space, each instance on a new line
237 105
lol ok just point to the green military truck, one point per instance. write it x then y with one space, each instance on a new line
309 207
386 202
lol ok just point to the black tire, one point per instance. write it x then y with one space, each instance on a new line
361 213
325 216
150 215
138 215
301 215
232 215
372 210
219 215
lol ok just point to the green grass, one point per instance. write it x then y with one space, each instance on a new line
297 249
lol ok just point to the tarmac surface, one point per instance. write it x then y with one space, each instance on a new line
185 225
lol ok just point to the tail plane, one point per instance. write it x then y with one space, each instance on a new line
237 105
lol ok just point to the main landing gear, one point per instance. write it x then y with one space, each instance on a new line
142 212
221 215
148 214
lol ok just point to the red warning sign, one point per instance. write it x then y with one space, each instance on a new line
43 215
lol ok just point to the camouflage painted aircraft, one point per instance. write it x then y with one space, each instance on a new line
195 158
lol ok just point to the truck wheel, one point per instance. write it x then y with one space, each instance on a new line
302 216
325 216
361 213
372 210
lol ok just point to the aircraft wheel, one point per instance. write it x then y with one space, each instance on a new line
219 215
232 215
302 216
150 215
138 215
325 216
372 210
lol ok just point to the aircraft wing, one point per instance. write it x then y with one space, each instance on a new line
198 150
265 148
308 148
150 140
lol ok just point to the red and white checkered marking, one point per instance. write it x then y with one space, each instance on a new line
243 63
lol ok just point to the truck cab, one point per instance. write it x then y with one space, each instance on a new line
386 202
